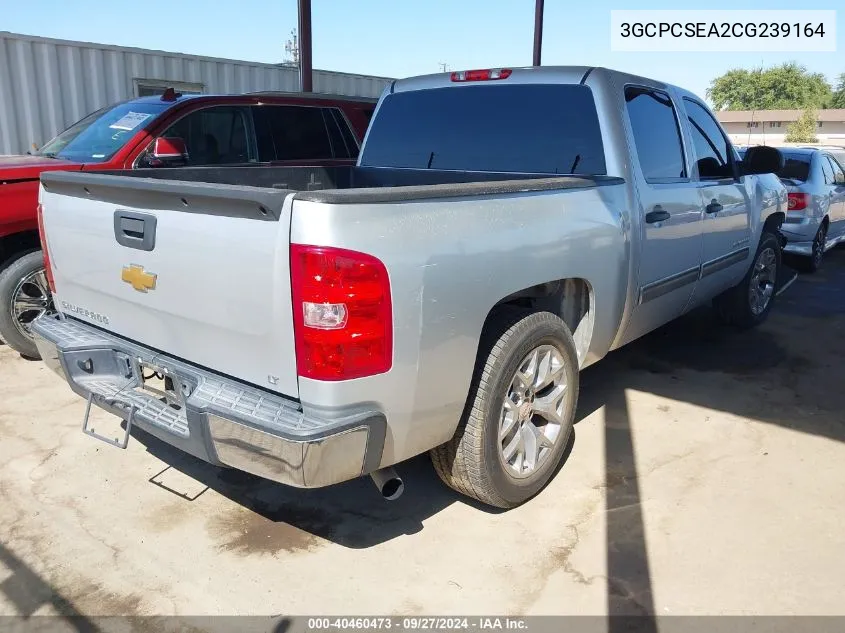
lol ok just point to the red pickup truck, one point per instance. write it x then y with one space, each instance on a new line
170 130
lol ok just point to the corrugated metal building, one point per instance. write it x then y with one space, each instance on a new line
47 84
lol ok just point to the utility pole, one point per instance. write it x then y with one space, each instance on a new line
443 66
305 70
538 31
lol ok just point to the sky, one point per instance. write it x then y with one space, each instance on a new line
401 38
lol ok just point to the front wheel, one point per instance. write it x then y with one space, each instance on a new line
520 412
24 296
749 303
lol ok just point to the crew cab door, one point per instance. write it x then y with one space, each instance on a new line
214 135
669 207
725 197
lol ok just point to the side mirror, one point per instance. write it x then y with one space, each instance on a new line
168 150
762 160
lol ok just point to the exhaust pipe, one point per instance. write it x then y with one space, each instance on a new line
389 484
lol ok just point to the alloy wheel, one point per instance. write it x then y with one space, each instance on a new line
763 281
30 299
818 246
532 415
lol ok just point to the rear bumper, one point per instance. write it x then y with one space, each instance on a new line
800 235
219 420
799 248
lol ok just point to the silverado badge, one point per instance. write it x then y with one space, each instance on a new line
141 280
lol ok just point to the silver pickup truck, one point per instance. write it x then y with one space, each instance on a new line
502 230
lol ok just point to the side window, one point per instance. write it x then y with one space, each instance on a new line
838 173
214 136
713 154
263 134
656 134
827 169
294 132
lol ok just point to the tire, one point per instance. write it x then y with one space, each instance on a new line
20 280
473 462
812 263
737 306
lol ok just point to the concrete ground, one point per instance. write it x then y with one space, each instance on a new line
706 477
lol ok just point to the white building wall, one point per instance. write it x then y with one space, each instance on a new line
830 133
47 84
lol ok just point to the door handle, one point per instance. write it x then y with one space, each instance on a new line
658 215
713 207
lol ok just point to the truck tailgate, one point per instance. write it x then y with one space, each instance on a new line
197 270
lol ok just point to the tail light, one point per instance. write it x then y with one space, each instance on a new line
342 313
43 237
798 201
482 75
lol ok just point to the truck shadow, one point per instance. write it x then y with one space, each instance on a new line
352 514
784 373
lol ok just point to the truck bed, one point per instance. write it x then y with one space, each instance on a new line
195 262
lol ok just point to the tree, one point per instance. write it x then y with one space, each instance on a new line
804 129
785 87
838 98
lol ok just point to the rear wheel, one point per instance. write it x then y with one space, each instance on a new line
749 303
519 417
24 296
813 263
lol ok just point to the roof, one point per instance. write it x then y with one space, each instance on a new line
800 151
591 76
310 95
744 116
254 96
519 75
827 148
797 151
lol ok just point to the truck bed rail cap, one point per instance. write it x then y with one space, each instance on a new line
454 190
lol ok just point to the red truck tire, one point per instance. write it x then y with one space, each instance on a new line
24 295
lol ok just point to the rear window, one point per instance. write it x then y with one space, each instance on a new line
796 167
534 128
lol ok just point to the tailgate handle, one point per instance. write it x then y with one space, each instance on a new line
135 230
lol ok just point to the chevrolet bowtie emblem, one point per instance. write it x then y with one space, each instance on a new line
139 278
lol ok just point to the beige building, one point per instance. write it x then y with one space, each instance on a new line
769 127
